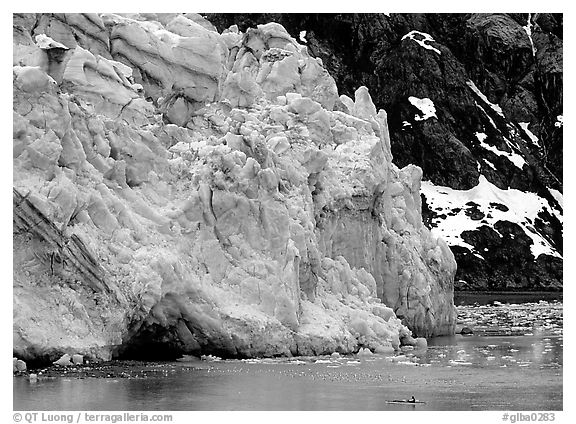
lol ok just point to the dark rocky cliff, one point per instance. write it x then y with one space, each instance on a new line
496 84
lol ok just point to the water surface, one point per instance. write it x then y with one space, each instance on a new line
513 361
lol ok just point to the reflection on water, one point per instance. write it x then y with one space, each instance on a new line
477 372
535 351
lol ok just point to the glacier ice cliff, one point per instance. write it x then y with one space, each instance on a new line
183 190
495 81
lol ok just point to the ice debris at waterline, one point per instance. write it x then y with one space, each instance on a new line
18 365
67 360
511 319
176 188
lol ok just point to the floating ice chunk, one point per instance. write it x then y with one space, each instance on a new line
421 343
210 358
187 358
399 358
302 36
458 362
252 361
425 105
64 361
77 359
18 365
422 41
364 351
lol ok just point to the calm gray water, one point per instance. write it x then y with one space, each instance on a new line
486 371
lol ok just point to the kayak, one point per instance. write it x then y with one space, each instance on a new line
403 402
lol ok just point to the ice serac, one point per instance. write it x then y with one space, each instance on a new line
267 222
69 29
371 215
182 60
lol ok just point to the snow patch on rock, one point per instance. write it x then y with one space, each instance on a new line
513 157
530 134
558 196
490 164
421 38
425 105
481 136
528 29
522 209
494 107
559 121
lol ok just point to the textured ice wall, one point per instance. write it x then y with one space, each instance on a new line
230 200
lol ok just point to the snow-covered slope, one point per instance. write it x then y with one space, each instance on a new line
528 219
457 211
486 204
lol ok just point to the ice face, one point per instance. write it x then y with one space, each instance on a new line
223 200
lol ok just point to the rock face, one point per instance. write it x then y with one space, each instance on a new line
177 190
471 99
